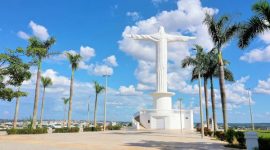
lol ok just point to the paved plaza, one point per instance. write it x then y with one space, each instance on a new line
111 140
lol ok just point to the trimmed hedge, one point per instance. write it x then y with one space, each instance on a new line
116 127
66 130
264 143
27 131
89 129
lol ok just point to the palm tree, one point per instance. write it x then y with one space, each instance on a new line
199 69
204 63
38 50
257 24
213 71
46 81
65 100
221 32
18 94
74 60
98 89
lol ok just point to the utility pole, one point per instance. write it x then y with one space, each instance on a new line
250 111
105 99
201 112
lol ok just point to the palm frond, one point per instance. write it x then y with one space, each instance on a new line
254 27
74 59
46 81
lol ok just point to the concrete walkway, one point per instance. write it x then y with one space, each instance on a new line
111 140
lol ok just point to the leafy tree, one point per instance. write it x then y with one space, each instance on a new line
221 32
46 81
13 71
257 24
74 60
98 89
38 50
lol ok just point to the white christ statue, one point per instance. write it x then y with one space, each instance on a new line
161 39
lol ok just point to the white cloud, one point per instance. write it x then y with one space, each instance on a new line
39 31
134 15
130 90
100 70
111 60
265 36
263 86
257 55
23 35
87 52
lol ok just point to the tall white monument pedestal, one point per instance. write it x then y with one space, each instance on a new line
162 101
163 116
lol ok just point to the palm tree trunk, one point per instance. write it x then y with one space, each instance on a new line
36 96
206 101
64 115
95 112
70 98
16 112
201 107
222 92
42 108
213 104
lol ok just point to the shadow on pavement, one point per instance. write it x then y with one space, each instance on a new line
178 145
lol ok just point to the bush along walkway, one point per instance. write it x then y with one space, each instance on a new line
236 139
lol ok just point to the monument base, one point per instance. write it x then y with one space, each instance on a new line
164 119
162 100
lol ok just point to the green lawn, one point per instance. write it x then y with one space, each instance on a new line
263 133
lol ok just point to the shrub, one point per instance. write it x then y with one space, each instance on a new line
240 136
230 134
27 131
264 143
220 135
66 130
116 127
87 129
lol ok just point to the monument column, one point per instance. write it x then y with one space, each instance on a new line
161 66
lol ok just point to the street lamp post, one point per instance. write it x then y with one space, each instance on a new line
180 109
251 117
105 99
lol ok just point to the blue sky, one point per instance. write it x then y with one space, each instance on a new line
95 29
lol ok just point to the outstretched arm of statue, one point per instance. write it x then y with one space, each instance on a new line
175 38
142 37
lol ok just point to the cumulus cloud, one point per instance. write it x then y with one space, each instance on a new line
100 70
111 60
134 15
130 90
257 55
38 31
263 86
23 35
87 52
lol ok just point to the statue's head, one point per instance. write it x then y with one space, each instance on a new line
161 29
